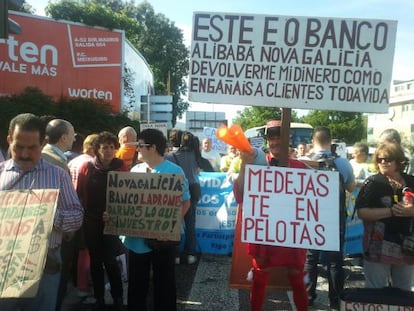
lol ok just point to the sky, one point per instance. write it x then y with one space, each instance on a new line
181 13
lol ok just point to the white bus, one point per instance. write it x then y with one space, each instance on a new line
299 133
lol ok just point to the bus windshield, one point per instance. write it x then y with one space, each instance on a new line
299 133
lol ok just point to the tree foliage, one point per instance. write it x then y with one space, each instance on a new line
258 116
24 7
348 127
86 115
154 35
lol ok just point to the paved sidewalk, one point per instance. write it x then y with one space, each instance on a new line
204 287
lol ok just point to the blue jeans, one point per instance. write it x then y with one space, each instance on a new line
190 219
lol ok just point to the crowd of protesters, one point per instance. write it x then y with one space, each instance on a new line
46 152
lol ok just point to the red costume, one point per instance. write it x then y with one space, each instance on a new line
265 256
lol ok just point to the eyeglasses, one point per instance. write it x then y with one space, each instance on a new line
140 145
388 160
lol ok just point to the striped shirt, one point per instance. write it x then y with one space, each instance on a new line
69 211
75 164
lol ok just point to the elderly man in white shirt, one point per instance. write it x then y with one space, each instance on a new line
213 156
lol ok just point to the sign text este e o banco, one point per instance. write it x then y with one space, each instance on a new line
297 62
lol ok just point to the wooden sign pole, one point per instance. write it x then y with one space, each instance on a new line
241 260
285 137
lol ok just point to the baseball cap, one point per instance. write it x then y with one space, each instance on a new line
273 128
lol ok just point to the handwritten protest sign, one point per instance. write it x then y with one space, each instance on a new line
216 144
26 221
291 207
340 64
161 126
144 205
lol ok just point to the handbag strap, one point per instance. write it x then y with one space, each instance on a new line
15 182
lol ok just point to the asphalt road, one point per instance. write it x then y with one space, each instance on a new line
204 286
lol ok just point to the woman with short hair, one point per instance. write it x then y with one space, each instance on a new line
387 220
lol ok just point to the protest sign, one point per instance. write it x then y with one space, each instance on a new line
242 264
354 229
216 144
291 207
326 63
144 205
161 126
26 221
215 214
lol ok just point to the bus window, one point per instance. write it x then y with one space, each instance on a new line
299 133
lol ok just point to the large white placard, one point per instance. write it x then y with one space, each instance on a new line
291 207
326 63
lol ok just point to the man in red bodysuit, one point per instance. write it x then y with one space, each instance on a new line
264 257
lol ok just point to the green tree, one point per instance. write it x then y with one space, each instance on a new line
154 35
86 115
24 7
162 45
348 127
94 14
258 116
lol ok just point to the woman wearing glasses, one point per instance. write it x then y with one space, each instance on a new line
387 219
142 258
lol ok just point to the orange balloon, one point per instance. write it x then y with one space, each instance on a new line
234 136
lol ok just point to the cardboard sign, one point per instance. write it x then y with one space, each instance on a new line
342 64
242 263
363 306
144 205
291 207
26 221
158 126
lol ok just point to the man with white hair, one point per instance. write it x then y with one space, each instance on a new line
127 138
60 135
210 154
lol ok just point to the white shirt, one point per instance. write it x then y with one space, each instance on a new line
214 157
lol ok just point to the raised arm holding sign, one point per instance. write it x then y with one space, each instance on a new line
265 257
326 63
